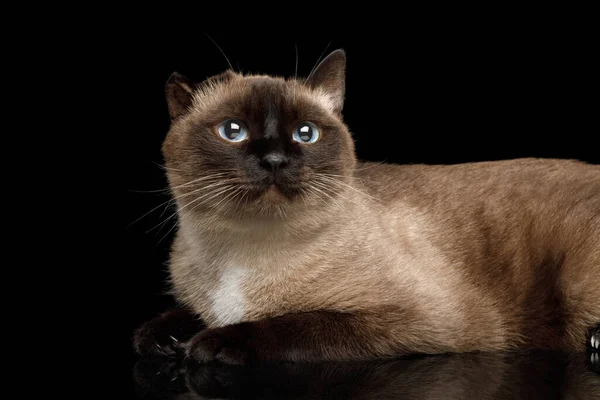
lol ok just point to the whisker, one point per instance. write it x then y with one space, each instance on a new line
295 74
317 63
219 193
303 196
376 164
236 196
169 189
312 192
221 50
178 212
201 203
169 231
225 200
158 206
166 190
325 187
327 196
164 167
200 198
172 201
325 183
296 70
330 179
201 179
218 183
161 224
240 200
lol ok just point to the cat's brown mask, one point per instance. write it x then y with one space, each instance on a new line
272 168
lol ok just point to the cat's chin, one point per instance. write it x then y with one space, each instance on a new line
276 194
274 201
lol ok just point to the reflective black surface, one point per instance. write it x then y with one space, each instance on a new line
532 375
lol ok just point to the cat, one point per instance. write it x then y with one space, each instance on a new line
289 249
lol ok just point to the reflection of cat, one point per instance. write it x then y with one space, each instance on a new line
528 376
290 249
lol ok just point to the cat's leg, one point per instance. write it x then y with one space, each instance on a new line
166 334
308 336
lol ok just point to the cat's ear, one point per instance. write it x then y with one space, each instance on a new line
330 75
179 92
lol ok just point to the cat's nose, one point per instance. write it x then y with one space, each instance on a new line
274 161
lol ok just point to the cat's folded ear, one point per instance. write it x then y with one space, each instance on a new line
330 76
179 92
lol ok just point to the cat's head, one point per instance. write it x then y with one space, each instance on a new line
259 145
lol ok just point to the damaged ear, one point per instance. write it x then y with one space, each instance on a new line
330 76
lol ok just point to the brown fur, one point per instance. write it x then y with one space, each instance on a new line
371 260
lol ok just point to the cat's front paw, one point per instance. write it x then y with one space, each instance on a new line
228 345
166 334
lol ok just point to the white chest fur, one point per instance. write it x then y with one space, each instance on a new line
228 304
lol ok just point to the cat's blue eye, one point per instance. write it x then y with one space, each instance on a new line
233 130
306 132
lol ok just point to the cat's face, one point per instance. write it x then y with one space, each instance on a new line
259 145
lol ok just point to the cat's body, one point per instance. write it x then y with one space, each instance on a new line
469 254
372 260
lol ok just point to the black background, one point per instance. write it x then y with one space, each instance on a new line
419 95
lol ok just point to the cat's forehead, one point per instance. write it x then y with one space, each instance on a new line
259 89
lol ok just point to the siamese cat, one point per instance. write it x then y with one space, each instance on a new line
289 249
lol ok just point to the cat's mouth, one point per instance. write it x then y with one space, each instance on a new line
277 191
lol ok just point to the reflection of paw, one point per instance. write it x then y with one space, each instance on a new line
166 334
595 361
594 345
154 375
220 381
228 345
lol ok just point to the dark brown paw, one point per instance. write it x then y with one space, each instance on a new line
228 345
166 334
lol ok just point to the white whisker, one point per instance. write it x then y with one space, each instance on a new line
295 75
327 196
326 186
200 198
221 50
329 178
201 179
158 206
317 63
225 200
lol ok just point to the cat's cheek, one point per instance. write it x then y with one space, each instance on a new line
231 345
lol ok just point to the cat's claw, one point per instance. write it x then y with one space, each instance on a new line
166 335
149 342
